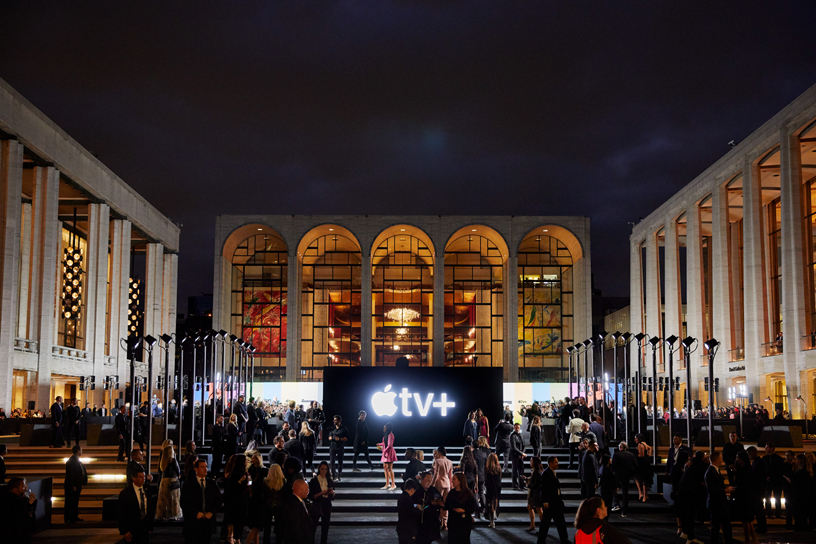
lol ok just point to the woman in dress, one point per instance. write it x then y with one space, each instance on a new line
471 431
321 492
168 506
389 456
607 484
493 485
307 438
273 503
801 492
460 505
468 466
743 495
442 473
257 512
484 426
235 497
534 491
644 477
231 446
256 470
535 436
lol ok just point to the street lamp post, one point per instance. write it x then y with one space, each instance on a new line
599 372
577 348
640 337
167 339
688 342
615 337
799 398
180 408
587 348
655 342
627 339
149 342
670 341
712 346
570 349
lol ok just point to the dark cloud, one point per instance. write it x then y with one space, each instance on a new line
586 108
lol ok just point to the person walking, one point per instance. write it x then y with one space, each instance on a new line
200 501
460 504
257 513
321 493
442 472
389 456
774 464
760 474
233 437
219 440
168 505
480 454
273 502
415 466
743 496
535 436
624 465
236 481
588 471
552 505
361 441
493 486
574 429
788 470
717 500
123 432
691 495
607 482
307 438
408 514
470 433
502 434
591 525
134 514
76 477
534 492
644 476
517 456
338 437
430 503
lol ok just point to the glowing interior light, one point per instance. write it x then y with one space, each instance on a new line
402 314
83 459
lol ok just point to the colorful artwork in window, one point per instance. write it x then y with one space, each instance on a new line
264 323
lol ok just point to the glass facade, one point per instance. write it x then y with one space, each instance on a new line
330 305
402 301
474 301
259 300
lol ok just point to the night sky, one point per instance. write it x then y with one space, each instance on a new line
383 107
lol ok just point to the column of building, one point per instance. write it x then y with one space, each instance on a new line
511 343
438 328
720 292
672 298
366 312
636 322
96 293
793 268
120 233
293 319
694 297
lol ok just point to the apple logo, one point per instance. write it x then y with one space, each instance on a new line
383 403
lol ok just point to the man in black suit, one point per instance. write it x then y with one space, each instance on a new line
624 465
588 470
172 412
361 441
56 423
678 457
759 474
17 512
240 410
553 505
717 500
75 479
218 438
136 464
86 413
294 447
135 513
408 514
774 464
72 419
502 433
517 455
200 501
123 431
300 528
729 452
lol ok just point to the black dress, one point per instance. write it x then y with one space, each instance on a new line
644 473
743 494
429 518
460 523
257 511
235 503
231 445
534 490
493 483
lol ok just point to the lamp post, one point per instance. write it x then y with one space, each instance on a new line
131 344
149 342
252 350
598 369
222 335
615 337
670 341
167 340
799 398
640 337
577 348
570 349
196 342
587 345
181 343
712 346
627 339
213 362
655 342
688 342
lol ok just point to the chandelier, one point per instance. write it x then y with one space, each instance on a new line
72 283
402 315
133 305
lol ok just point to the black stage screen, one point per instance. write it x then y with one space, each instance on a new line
427 406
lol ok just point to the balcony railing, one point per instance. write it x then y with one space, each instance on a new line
71 353
769 349
24 344
737 354
809 342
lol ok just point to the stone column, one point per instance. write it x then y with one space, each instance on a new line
365 312
24 288
653 302
120 283
96 270
753 267
11 182
293 318
720 292
672 294
510 288
636 322
792 292
169 304
40 181
439 309
694 294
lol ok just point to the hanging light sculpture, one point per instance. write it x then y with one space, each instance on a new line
133 305
72 283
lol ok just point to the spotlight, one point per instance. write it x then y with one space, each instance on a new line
688 342
570 349
223 334
252 349
587 343
671 340
150 341
626 336
166 338
654 341
578 346
711 344
601 336
234 339
616 335
639 337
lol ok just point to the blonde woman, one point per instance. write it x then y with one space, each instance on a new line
274 501
309 441
233 432
168 506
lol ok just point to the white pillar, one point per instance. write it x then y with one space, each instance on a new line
694 295
293 318
793 281
365 312
720 292
510 289
154 274
755 293
636 323
24 287
653 302
96 290
120 284
439 309
11 182
672 294
169 309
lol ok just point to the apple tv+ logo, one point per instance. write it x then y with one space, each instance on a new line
383 403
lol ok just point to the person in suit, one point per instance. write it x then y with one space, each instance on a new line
135 515
442 473
624 465
75 479
517 456
717 500
408 514
86 413
72 418
321 493
17 512
502 433
219 438
172 412
300 528
596 427
3 452
294 447
56 423
729 452
240 411
774 464
123 431
589 471
574 430
361 441
200 501
552 504
675 464
289 415
760 481
338 437
535 436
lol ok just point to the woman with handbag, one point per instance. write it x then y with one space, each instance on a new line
168 506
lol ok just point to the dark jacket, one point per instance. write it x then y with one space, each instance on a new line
551 490
471 431
480 456
56 414
774 466
760 472
730 451
675 470
294 448
75 474
16 517
191 506
361 436
624 465
300 528
589 469
122 427
407 515
516 446
341 432
415 466
129 514
219 435
72 415
716 489
600 434
502 433
320 503
535 437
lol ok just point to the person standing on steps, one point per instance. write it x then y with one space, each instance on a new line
442 473
75 479
389 456
517 456
361 441
56 423
717 500
574 429
307 438
338 437
552 506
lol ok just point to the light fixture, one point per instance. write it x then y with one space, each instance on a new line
402 230
260 229
711 344
150 341
601 336
688 342
134 292
587 342
654 341
639 337
332 230
545 230
616 335
72 283
402 315
768 399
166 338
402 331
671 340
474 230
570 349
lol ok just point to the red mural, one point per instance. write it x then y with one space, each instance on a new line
265 320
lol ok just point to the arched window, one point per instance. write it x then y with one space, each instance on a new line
331 296
545 301
474 301
259 301
402 301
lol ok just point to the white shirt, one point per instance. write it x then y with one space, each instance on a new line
139 497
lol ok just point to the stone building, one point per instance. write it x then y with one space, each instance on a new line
731 256
312 291
85 260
